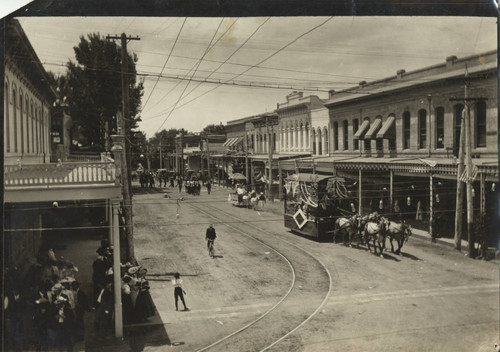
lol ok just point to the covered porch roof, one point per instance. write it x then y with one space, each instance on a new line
64 181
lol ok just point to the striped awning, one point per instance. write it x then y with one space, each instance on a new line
386 131
231 142
228 142
360 133
372 132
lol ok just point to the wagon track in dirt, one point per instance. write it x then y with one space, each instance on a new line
308 293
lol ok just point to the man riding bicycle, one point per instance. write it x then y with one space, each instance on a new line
210 236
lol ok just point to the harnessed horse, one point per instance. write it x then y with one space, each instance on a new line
349 226
375 231
400 232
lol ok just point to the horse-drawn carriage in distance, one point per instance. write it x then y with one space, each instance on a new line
312 204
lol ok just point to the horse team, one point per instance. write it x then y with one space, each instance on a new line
372 228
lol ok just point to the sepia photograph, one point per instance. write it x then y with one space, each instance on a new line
225 179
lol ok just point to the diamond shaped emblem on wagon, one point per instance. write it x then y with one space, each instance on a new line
300 218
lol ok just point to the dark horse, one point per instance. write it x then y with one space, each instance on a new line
400 232
375 231
349 227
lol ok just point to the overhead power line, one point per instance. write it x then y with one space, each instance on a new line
196 63
260 62
166 61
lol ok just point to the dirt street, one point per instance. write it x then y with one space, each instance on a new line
268 289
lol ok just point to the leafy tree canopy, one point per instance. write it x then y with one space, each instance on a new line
214 129
93 88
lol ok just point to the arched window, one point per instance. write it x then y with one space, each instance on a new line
355 127
320 144
480 124
27 112
14 114
7 117
345 134
301 137
406 130
307 135
325 133
36 128
457 119
33 137
422 128
439 112
335 136
313 138
21 118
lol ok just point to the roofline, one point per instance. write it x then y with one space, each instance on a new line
392 78
20 31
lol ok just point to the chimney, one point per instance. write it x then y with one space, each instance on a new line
362 83
400 73
331 92
450 60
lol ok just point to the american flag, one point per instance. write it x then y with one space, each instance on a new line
473 173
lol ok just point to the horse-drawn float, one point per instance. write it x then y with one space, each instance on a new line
312 204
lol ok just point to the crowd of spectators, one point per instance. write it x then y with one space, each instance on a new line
45 310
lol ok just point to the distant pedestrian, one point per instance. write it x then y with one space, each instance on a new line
209 187
179 183
261 201
179 291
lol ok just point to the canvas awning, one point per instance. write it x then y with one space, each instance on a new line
372 132
228 142
386 131
235 141
232 141
360 133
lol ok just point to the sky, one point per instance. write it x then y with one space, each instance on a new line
216 70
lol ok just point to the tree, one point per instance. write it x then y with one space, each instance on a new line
94 91
214 129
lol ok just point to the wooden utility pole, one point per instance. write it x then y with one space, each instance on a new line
122 130
208 162
161 163
270 160
467 176
246 159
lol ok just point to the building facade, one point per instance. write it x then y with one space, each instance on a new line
28 99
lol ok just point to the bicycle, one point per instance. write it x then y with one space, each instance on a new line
211 250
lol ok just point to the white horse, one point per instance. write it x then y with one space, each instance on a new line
375 231
400 232
349 227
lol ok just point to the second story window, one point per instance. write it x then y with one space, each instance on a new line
346 134
406 130
457 115
481 124
335 136
439 127
355 126
422 128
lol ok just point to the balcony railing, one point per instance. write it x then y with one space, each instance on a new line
71 173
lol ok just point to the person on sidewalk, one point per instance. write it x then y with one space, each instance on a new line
209 186
178 291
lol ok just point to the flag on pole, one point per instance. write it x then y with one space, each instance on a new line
473 173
